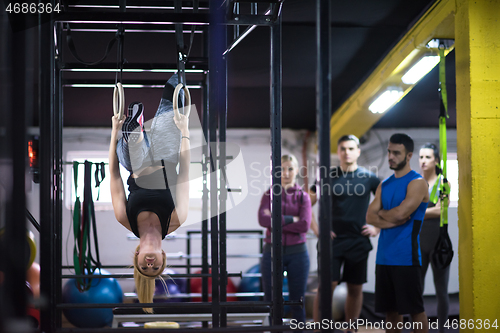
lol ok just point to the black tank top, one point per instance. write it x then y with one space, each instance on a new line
158 201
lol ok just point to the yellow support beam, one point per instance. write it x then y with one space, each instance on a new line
478 142
353 116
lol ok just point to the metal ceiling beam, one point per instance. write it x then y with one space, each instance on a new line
157 18
132 4
353 116
129 28
131 84
196 64
133 18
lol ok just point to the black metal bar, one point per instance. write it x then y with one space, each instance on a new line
236 32
259 1
58 166
193 63
49 320
128 267
131 275
33 221
130 28
323 104
216 35
276 12
276 104
231 329
248 19
207 305
223 181
167 4
204 166
188 261
156 18
254 8
242 231
180 46
15 136
239 38
6 97
142 84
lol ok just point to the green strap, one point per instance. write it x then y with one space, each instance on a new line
442 80
77 216
434 197
444 186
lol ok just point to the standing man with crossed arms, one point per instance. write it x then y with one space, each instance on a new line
398 210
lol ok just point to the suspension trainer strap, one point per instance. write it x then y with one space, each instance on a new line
72 48
443 251
120 60
91 221
183 51
80 234
195 10
83 221
99 176
443 114
434 197
76 224
179 36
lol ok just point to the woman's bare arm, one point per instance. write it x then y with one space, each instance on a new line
182 190
118 197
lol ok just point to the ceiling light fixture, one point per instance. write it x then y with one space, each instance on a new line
420 69
385 101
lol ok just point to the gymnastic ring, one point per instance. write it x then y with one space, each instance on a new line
176 100
118 100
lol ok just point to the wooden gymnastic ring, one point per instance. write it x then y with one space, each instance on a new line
176 100
118 100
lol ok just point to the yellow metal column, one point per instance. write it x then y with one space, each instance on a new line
477 50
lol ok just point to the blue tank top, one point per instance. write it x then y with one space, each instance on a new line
400 246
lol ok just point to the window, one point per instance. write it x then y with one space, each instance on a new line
452 174
196 181
103 192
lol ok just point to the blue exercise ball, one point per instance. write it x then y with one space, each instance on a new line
250 284
103 290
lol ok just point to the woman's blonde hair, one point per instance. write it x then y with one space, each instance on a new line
290 158
145 284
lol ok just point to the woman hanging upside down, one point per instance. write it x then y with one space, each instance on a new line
159 197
